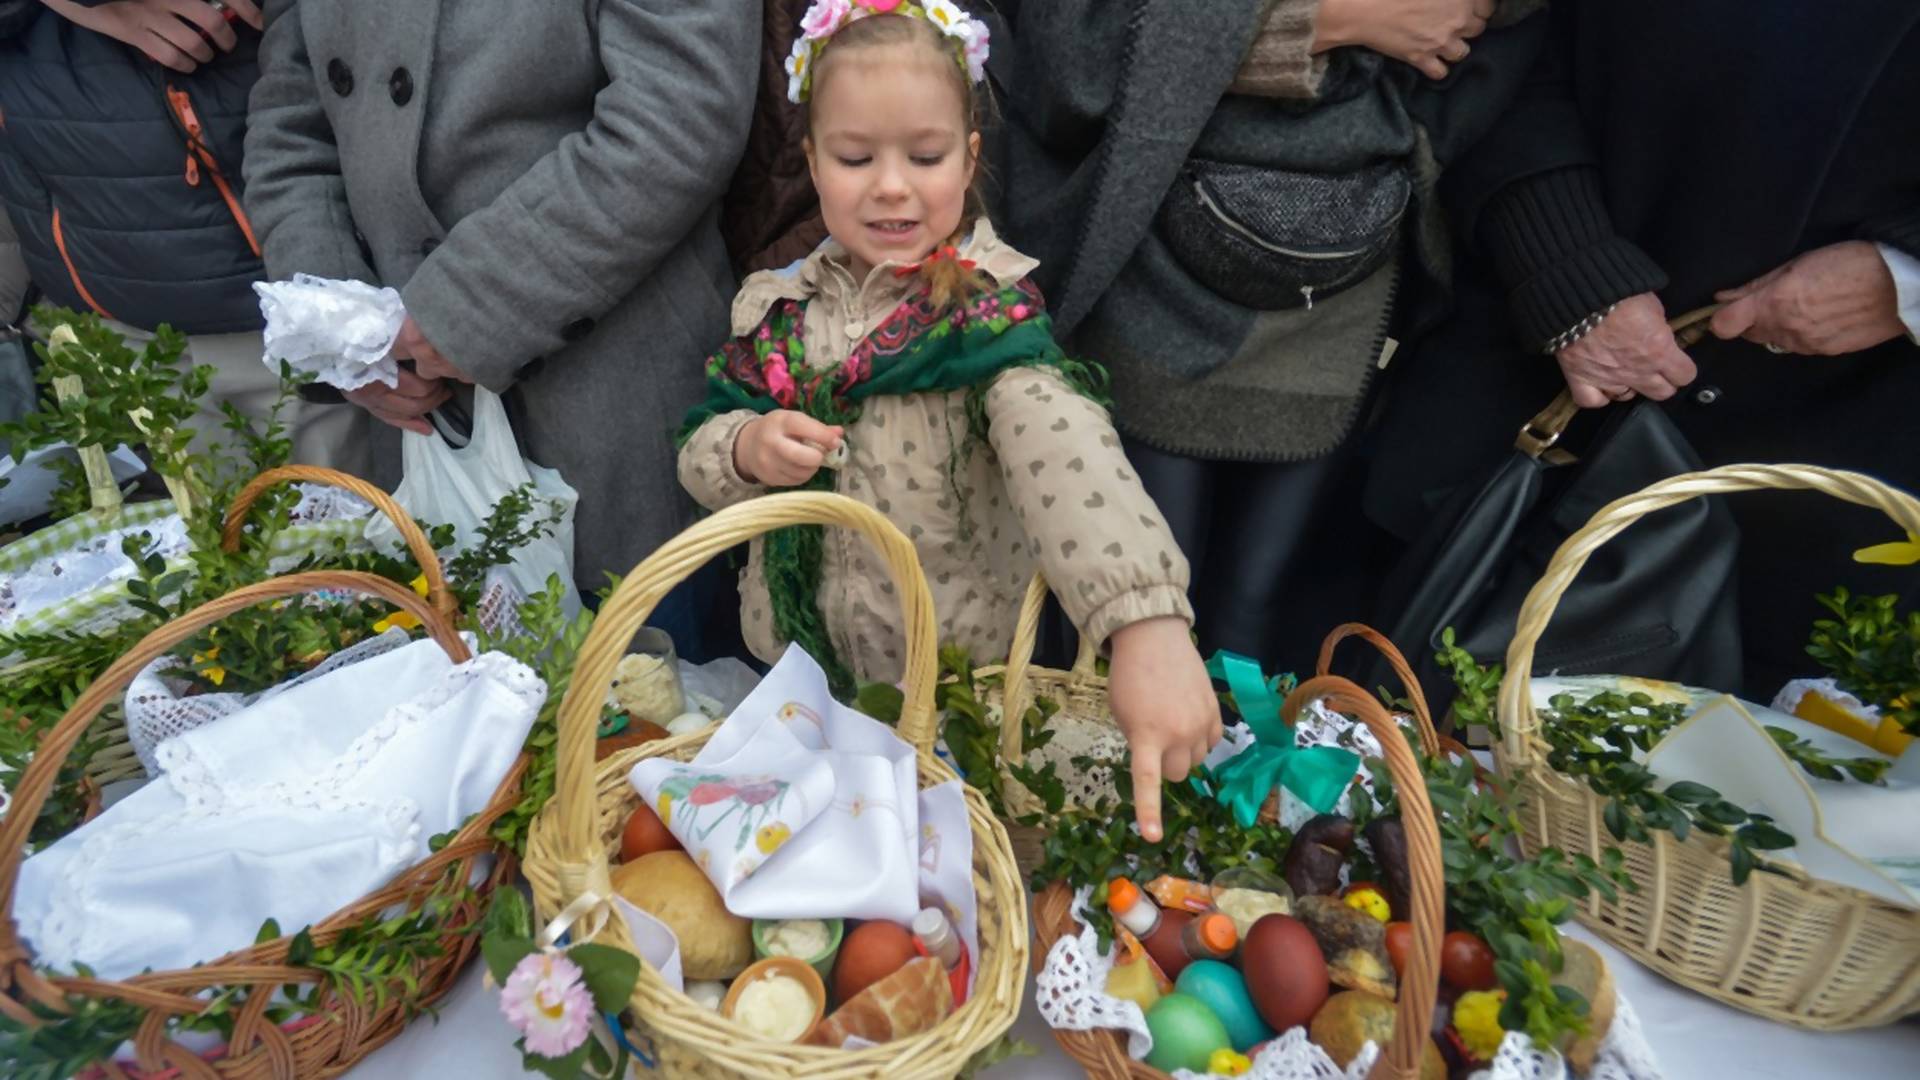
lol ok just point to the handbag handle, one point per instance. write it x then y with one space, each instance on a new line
1539 434
416 541
1518 720
578 833
35 785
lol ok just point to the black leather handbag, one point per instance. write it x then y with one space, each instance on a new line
1658 601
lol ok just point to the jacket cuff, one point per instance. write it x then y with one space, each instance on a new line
706 462
1281 63
1136 605
1900 231
1555 249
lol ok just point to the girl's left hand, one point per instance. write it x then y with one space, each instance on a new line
1164 703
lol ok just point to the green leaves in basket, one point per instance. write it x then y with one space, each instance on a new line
1872 650
972 735
549 643
607 973
610 974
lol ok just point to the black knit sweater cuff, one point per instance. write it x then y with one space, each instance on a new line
1896 230
1554 247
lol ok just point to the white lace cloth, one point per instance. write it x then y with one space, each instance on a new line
290 809
158 708
1070 994
340 332
89 566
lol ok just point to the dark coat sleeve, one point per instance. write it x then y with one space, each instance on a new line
1528 194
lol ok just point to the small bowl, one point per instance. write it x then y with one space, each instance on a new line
836 929
795 969
1246 877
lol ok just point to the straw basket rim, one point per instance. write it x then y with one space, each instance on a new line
1748 964
567 854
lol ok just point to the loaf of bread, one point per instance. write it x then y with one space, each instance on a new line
907 1002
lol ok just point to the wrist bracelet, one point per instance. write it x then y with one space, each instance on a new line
1577 331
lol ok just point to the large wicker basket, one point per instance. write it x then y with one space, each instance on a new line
568 852
345 1029
1104 1053
1784 946
1084 720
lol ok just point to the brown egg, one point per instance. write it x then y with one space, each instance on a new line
871 952
1286 973
645 834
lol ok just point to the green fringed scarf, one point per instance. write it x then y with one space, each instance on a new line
915 349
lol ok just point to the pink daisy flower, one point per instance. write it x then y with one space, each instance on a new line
546 998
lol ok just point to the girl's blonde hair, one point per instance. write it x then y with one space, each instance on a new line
948 280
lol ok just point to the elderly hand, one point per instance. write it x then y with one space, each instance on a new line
1631 352
179 34
411 344
1164 703
1428 34
405 405
1829 301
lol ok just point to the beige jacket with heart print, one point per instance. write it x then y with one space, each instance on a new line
1052 492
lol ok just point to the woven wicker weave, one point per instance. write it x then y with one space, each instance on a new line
1788 948
1081 695
571 840
344 1030
1104 1054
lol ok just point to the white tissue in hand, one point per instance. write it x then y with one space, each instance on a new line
338 331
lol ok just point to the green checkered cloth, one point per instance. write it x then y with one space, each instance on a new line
109 604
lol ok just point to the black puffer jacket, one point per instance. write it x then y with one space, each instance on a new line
123 177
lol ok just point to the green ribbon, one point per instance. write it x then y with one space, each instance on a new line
1315 774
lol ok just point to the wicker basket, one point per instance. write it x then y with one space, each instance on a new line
1785 947
1104 1053
568 851
346 1030
1085 717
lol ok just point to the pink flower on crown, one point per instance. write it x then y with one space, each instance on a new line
823 18
1020 312
880 7
976 49
780 381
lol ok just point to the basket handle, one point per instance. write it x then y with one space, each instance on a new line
1517 717
1419 984
627 609
1015 693
416 541
1430 743
37 783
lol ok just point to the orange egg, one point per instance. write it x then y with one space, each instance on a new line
871 952
645 834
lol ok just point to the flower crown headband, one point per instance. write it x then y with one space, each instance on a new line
827 17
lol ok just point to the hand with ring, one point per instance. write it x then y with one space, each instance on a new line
177 34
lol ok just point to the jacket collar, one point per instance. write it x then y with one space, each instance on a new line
825 272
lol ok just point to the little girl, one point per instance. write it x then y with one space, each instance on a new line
912 345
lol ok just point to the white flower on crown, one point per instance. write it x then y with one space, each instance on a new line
947 16
823 18
798 63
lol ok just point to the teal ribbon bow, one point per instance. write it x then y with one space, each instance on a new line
1315 774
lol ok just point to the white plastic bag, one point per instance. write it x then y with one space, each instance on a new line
446 485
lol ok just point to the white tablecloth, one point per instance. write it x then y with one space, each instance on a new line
1696 1038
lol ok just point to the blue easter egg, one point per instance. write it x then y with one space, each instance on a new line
1224 992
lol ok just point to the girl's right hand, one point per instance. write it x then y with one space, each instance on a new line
784 448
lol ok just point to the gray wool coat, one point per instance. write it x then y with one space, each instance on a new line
541 182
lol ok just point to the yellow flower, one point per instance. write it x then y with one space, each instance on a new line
405 620
771 836
1476 1016
1224 1062
1894 554
216 674
666 809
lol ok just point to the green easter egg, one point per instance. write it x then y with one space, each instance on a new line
1224 992
1185 1033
